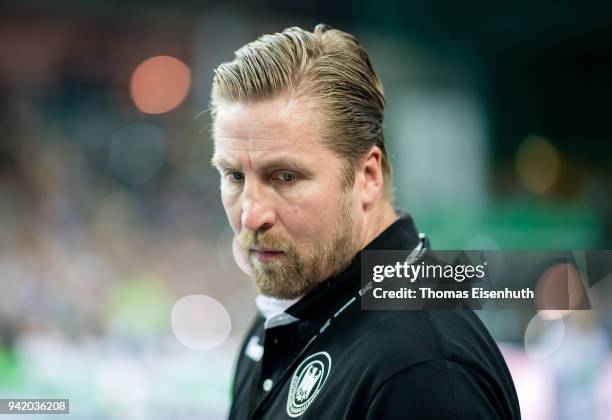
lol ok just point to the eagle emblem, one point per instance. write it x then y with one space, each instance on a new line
307 381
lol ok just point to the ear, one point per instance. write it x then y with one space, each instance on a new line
371 174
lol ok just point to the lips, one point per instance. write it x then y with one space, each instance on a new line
264 249
266 254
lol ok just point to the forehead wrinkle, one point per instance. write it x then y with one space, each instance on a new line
251 144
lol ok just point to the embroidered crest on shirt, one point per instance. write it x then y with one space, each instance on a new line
307 381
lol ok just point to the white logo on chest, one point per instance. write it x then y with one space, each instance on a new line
307 381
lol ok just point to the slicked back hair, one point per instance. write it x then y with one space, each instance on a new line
327 66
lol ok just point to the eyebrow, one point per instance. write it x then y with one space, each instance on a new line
282 162
220 162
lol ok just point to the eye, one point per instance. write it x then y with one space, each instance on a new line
234 176
285 176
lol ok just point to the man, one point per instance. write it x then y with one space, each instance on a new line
306 185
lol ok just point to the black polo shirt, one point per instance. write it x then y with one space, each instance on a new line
336 361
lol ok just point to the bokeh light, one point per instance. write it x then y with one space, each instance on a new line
200 322
543 336
537 164
230 256
160 84
559 290
137 153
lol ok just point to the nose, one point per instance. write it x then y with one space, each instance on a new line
258 212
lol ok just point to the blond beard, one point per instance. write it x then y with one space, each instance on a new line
296 273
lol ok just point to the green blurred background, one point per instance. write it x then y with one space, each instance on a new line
118 289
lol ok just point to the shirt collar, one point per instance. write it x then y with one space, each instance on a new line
273 309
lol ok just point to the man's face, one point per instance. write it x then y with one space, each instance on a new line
282 193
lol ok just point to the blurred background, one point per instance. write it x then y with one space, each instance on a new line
118 289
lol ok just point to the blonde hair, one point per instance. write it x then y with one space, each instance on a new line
327 65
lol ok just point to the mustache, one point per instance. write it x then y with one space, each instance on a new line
248 239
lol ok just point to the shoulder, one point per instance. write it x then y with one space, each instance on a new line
410 337
382 343
439 389
440 362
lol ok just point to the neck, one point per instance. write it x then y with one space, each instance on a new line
375 220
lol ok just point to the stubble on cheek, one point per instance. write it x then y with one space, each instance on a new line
297 272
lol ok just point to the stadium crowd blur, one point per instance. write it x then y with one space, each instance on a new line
110 212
